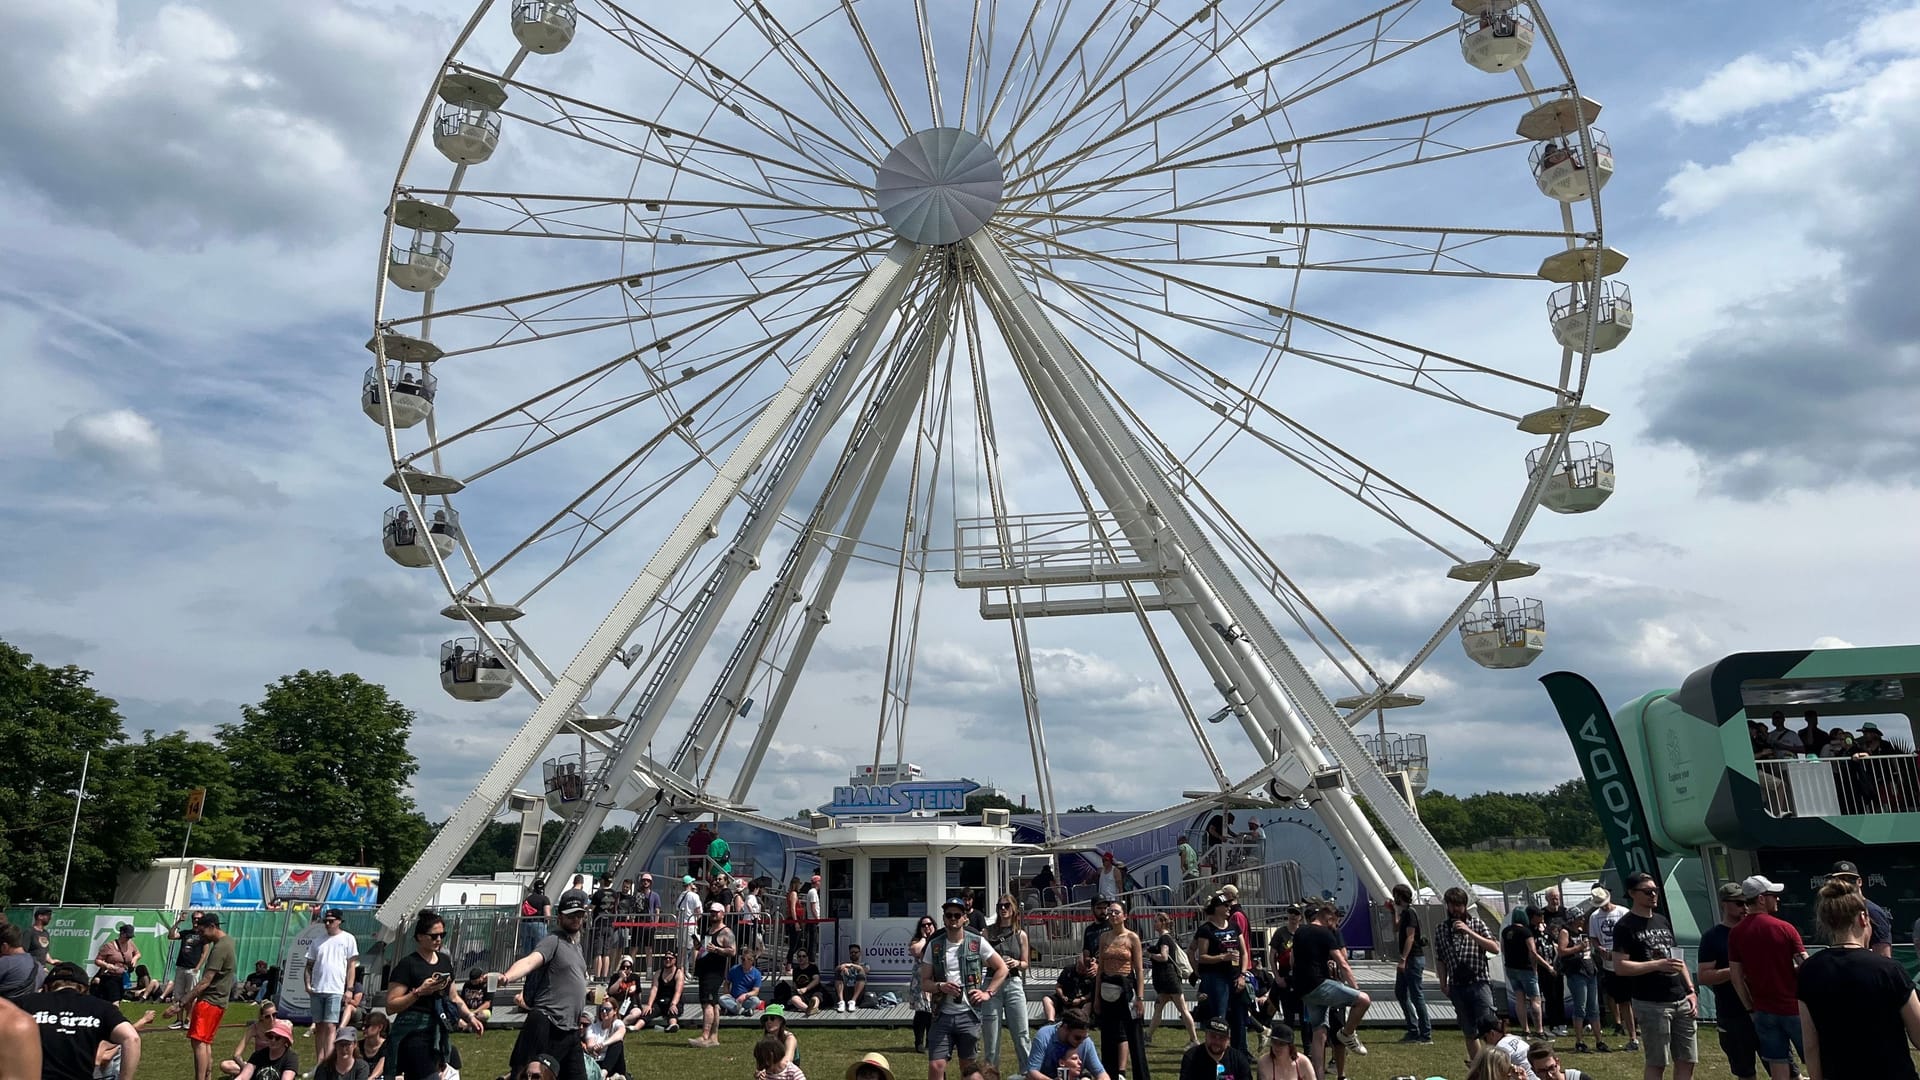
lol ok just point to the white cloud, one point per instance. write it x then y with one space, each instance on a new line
117 439
1754 81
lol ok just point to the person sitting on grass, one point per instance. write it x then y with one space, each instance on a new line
372 1048
475 993
250 1037
343 1062
275 1059
770 1064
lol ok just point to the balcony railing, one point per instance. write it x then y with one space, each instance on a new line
1824 787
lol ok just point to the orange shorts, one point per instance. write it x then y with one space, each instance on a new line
205 1022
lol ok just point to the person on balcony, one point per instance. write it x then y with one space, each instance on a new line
1812 735
1783 739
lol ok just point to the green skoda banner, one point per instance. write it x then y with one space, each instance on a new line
1604 763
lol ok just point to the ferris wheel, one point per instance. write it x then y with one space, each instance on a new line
1031 302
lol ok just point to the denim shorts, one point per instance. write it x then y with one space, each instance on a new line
1332 994
326 1008
1523 983
1775 1033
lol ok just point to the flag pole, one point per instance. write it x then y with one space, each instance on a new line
78 795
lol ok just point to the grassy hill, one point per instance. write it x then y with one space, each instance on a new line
1491 867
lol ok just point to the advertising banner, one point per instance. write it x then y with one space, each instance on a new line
1609 777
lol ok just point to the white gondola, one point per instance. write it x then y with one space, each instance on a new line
566 779
1562 171
467 126
413 391
1613 315
1496 38
422 251
406 542
1581 481
544 26
472 671
1504 632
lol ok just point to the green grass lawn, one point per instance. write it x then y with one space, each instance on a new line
826 1052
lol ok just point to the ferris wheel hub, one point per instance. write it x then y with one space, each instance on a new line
939 185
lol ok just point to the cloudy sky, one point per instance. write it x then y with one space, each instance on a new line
193 193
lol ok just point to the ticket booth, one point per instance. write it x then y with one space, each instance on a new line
882 876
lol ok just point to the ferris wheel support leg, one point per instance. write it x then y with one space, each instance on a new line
1278 674
872 468
468 820
866 314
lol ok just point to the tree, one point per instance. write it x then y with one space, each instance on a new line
326 767
1445 818
50 719
1572 821
177 765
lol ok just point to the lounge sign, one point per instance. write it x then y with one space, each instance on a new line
872 800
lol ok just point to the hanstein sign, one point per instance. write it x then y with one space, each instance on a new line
913 796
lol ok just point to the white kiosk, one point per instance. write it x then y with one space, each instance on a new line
886 860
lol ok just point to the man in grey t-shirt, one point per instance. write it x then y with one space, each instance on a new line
555 993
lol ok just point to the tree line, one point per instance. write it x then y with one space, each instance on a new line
1564 815
316 771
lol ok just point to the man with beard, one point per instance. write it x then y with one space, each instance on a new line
556 993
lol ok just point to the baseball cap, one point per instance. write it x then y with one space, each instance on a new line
1756 885
716 907
686 879
1732 891
1217 1025
346 1034
282 1029
645 876
1844 868
66 971
548 1064
1231 892
126 929
572 902
336 914
39 911
1280 1033
207 918
954 901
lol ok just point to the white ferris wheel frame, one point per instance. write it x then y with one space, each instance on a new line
1226 627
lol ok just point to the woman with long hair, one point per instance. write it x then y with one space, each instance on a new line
1007 1009
1120 994
795 914
420 987
1858 1012
1167 986
1281 1060
1492 1063
922 1001
662 1004
372 1048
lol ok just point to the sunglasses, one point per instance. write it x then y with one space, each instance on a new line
1004 907
435 936
1646 890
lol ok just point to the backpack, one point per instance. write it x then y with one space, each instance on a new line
1182 964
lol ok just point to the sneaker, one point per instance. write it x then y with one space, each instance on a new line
1425 1040
1560 1032
1410 1037
1581 1048
1632 1045
839 1006
1600 1047
1351 1040
1618 1030
178 1025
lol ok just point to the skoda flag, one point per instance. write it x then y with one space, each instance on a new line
1604 764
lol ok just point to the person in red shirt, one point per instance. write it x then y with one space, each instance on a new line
1765 952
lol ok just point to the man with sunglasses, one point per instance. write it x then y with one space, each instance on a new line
962 972
556 994
1665 1004
1764 952
331 961
1062 1051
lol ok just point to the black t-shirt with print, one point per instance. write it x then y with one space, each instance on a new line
192 944
804 974
72 1027
1214 940
1649 938
267 1066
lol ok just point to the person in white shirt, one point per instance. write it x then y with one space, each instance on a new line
331 963
688 906
605 1041
1783 739
1494 1033
813 915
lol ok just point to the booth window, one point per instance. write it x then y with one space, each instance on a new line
896 888
840 888
968 873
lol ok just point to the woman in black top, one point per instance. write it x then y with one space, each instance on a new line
373 1045
1167 987
1857 1009
422 985
663 997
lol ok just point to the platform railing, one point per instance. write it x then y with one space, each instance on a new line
1828 787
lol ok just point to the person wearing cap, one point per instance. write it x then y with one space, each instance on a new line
1733 1023
1575 952
342 1061
1216 1058
186 961
74 1027
332 961
1764 953
871 1066
962 972
688 907
38 939
605 1040
250 1037
714 949
1217 953
811 900
1880 918
275 1059
535 909
1328 988
1665 1003
1604 917
207 1004
556 992
646 905
113 962
542 1067
1281 1060
1063 1049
